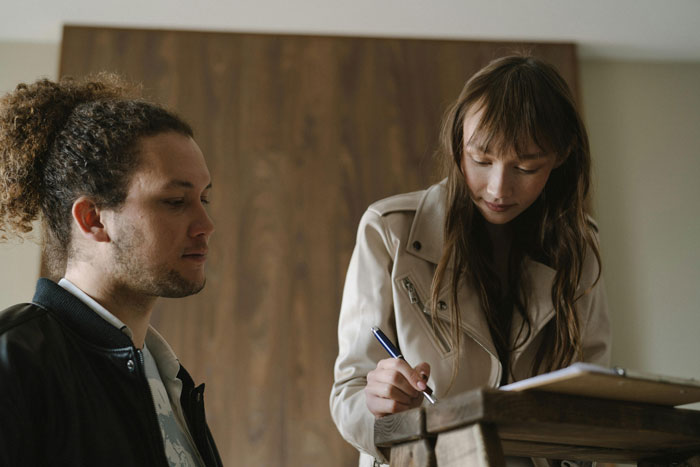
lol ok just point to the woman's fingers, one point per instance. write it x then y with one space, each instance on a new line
423 370
393 386
417 377
380 406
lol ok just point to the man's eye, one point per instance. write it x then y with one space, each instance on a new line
175 202
205 201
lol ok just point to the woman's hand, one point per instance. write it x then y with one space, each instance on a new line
394 386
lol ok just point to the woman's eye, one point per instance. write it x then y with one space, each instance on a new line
480 162
204 201
526 171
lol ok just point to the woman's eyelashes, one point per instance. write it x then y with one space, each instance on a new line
480 162
527 171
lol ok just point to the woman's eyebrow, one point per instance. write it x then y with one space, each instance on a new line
532 156
476 148
480 149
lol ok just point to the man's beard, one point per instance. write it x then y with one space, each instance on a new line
158 281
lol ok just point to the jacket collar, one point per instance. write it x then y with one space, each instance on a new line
428 225
78 316
427 230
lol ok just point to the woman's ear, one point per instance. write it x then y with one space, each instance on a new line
88 217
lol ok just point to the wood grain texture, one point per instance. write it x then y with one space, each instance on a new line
671 462
398 428
514 412
301 134
610 430
567 451
474 445
414 454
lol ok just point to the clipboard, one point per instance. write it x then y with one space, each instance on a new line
585 379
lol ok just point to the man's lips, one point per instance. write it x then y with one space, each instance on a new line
196 255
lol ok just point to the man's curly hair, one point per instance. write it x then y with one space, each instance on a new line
71 138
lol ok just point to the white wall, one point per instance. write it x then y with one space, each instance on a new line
643 120
639 29
19 261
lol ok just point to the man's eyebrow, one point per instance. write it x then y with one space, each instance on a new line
183 184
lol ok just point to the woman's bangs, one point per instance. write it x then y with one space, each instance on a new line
505 128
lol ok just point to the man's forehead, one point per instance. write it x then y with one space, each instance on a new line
172 160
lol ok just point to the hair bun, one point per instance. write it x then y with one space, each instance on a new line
31 117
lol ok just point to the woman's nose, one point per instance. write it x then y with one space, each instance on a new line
498 184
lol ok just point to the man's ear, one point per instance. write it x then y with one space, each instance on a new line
88 217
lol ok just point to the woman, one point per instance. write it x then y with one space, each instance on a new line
490 276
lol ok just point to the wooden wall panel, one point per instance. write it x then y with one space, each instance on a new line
301 134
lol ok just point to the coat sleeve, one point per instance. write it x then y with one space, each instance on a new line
596 333
367 301
18 428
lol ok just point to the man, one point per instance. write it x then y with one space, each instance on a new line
122 190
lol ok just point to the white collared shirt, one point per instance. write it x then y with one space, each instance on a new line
161 368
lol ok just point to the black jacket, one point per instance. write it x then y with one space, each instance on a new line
73 390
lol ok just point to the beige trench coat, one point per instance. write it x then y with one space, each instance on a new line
399 243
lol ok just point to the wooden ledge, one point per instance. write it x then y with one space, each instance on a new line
400 428
620 424
536 423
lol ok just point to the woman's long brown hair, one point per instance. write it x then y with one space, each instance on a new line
522 100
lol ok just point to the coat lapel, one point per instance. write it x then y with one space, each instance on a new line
427 230
540 308
427 233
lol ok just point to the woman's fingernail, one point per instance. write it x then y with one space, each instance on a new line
421 385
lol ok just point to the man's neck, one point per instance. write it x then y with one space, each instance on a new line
133 309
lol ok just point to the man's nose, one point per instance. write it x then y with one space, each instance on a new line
202 225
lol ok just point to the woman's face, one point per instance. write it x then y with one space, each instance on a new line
503 185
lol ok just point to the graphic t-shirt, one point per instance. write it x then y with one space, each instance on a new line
178 446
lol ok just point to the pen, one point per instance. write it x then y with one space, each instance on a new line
394 352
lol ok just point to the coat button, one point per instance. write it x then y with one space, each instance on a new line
416 245
130 365
442 305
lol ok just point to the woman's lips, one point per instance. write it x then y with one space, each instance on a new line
498 207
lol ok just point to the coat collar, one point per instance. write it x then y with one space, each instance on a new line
428 225
427 230
78 316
